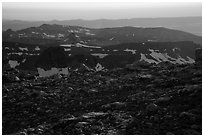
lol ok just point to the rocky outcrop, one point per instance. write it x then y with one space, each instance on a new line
52 57
198 55
72 38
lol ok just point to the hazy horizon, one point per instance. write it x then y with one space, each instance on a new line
94 11
4 19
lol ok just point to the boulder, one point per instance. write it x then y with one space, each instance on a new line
118 105
188 117
152 108
93 90
17 79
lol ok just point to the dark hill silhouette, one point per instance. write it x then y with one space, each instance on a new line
101 37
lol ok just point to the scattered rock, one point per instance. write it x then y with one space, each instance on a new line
196 127
163 100
81 124
188 117
94 114
191 132
169 133
152 108
93 90
132 105
118 105
186 114
155 118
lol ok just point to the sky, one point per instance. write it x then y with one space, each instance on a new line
35 11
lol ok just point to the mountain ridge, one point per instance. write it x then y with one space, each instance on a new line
189 24
101 36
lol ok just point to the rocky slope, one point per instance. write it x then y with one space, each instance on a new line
145 87
138 100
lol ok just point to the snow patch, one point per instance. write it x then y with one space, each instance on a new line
60 35
86 67
100 55
70 30
34 32
131 50
76 31
66 45
158 56
181 60
65 49
164 57
16 53
86 46
13 63
22 49
23 60
151 40
144 58
49 36
111 38
99 67
37 48
52 71
88 33
190 60
30 54
82 41
6 48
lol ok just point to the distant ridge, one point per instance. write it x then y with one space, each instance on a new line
188 24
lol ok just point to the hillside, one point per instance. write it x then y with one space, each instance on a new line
148 100
46 34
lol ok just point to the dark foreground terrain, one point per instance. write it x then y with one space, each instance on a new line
142 99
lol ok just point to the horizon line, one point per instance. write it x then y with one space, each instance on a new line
3 19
